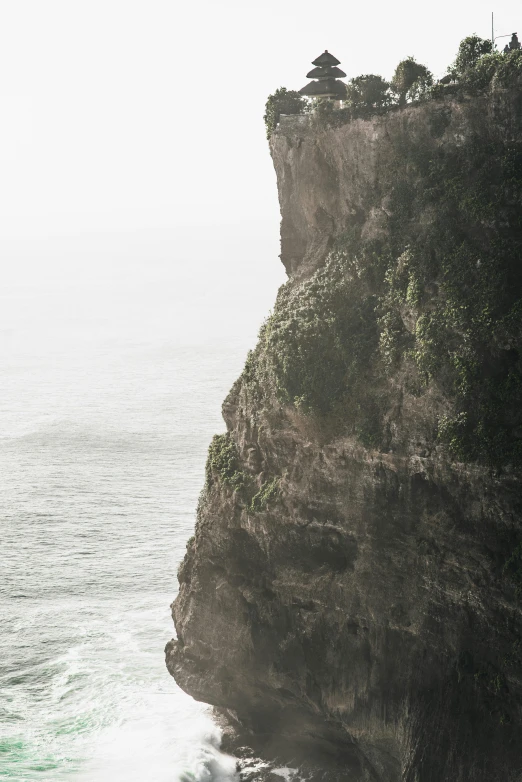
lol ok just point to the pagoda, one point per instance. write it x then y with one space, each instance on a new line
326 77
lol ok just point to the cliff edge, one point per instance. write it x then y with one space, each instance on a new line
352 595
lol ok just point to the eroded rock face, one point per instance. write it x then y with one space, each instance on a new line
329 180
364 618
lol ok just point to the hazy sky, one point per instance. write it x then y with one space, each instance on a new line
121 120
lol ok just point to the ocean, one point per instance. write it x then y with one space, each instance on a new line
111 383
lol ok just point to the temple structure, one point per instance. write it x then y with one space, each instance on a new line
513 45
326 77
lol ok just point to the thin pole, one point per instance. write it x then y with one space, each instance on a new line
492 31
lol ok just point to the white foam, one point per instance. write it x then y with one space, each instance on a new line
165 746
286 772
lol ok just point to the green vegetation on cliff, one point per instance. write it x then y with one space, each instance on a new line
224 465
283 101
265 496
223 461
499 70
471 49
435 301
314 348
411 81
475 68
459 276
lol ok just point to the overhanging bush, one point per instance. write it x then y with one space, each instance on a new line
282 101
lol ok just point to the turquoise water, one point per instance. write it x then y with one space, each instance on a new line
107 407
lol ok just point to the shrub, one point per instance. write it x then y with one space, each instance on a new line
493 69
223 461
368 91
479 76
508 68
266 494
282 101
471 50
326 115
319 342
411 80
460 281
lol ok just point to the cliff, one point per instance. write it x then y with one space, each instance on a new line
352 596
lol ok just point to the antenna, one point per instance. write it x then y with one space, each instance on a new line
493 39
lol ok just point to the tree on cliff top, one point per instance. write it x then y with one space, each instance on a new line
471 49
411 80
368 90
282 101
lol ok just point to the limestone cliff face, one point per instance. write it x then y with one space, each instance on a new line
353 598
330 180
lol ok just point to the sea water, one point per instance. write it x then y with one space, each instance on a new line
110 390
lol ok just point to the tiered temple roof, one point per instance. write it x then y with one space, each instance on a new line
326 75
